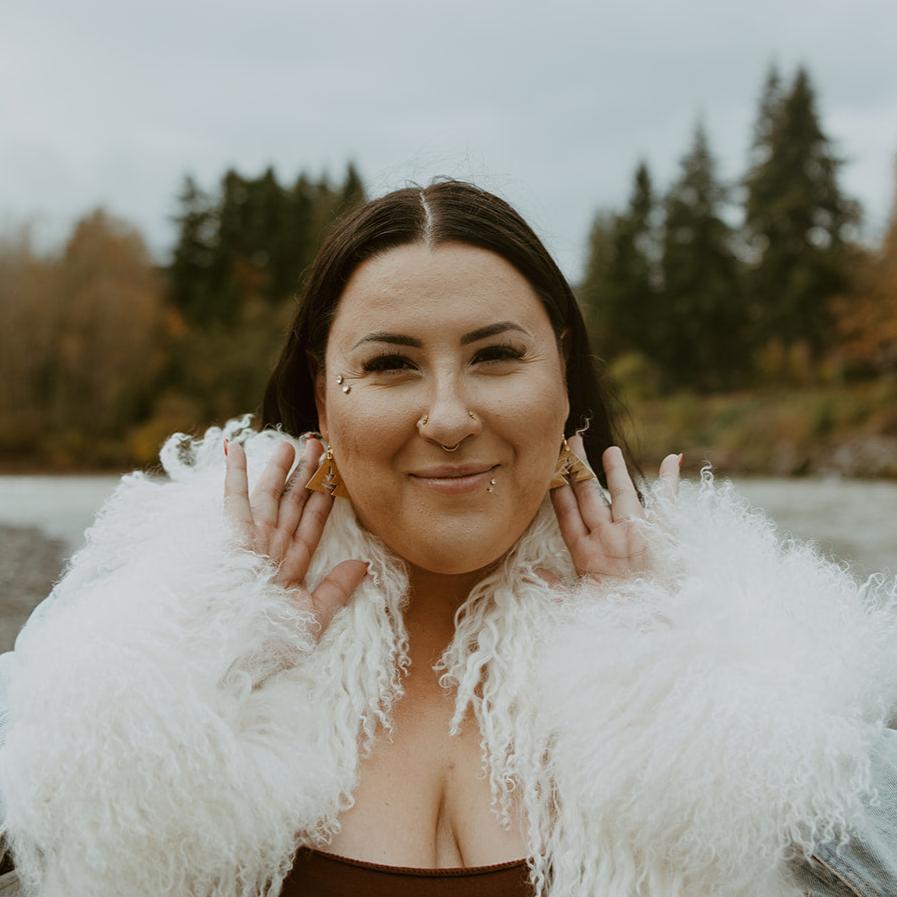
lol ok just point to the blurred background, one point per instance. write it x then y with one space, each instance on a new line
717 181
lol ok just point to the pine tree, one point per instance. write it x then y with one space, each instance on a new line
189 286
620 288
796 221
227 274
593 291
700 318
352 191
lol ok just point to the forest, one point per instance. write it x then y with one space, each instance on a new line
746 321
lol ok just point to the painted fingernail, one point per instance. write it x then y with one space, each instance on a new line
225 448
681 459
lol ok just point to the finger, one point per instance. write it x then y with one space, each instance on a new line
305 540
594 507
295 494
236 487
335 590
573 527
669 476
265 498
623 497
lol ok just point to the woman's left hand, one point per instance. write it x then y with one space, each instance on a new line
602 539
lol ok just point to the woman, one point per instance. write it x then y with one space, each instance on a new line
453 663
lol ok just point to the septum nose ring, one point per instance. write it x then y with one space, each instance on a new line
446 448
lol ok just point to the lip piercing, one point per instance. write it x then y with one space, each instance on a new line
491 486
339 379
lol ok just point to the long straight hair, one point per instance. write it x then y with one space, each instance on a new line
445 211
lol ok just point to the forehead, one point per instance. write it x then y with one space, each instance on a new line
453 285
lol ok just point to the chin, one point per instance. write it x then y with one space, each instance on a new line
447 556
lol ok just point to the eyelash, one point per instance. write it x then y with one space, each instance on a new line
391 361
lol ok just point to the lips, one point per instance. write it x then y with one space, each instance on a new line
453 470
455 479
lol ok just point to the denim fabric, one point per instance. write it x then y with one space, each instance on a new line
867 865
870 868
9 885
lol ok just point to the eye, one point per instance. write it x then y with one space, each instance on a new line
387 362
498 353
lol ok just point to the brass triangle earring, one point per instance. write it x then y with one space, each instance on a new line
326 478
570 468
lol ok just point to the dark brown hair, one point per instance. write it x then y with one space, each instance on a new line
445 211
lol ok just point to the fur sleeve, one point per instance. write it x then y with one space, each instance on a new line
716 718
148 731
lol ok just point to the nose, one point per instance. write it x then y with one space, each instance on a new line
450 419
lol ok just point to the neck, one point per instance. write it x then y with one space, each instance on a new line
433 600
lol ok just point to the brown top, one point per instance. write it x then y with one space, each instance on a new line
330 875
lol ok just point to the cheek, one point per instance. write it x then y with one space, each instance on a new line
532 420
375 441
369 430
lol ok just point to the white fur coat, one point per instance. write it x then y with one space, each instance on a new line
172 729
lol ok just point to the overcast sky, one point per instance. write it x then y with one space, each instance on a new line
549 104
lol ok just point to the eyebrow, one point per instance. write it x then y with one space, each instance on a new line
399 339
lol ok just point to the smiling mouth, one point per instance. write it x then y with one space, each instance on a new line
456 483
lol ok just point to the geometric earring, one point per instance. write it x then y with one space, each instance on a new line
326 478
570 468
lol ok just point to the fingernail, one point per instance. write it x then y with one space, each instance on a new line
225 448
681 458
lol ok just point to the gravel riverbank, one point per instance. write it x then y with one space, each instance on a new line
30 562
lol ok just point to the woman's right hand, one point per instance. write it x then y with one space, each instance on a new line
283 521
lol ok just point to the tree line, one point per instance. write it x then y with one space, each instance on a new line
691 299
103 353
703 287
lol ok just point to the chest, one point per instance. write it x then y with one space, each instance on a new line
423 798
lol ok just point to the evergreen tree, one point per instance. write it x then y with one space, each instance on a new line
352 191
225 274
796 220
767 117
620 288
700 320
593 291
193 254
250 243
299 232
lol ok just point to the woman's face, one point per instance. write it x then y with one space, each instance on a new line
438 333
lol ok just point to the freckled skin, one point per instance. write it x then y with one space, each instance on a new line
436 295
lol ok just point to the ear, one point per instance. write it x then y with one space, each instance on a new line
317 377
